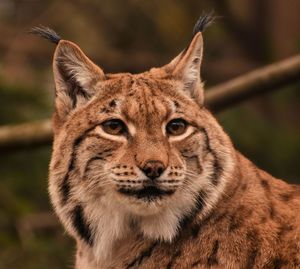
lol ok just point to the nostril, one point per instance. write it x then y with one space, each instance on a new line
153 169
148 171
159 170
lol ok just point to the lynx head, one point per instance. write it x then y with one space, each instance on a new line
140 146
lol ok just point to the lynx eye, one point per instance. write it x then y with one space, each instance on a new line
176 127
114 127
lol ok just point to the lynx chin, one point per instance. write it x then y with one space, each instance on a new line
143 176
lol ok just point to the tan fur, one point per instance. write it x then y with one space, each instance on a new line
224 212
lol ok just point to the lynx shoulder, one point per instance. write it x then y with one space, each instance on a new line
143 176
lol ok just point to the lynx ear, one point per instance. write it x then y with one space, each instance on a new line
186 66
187 69
76 77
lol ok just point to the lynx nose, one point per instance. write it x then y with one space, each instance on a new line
153 169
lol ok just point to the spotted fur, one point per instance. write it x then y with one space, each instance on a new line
210 208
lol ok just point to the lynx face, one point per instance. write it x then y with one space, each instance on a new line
133 153
147 149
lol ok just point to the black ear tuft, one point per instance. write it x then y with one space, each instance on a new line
202 23
46 33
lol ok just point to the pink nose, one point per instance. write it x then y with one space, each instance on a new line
153 169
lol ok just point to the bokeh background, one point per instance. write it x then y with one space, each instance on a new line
132 35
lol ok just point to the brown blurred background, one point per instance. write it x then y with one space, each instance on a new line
132 35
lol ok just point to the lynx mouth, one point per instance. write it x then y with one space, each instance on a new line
147 193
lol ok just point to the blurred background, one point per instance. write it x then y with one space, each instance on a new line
132 35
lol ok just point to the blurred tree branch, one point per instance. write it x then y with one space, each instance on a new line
220 97
26 135
254 83
29 224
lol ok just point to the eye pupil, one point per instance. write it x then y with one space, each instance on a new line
176 127
114 127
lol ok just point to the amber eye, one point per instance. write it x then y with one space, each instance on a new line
176 127
114 127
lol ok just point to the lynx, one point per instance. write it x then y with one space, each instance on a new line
143 176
